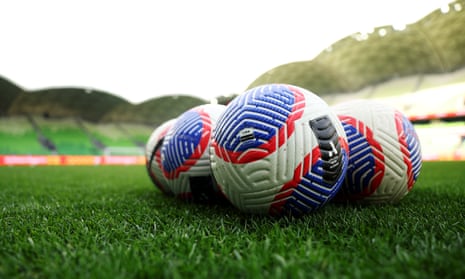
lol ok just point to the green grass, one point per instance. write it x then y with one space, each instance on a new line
110 222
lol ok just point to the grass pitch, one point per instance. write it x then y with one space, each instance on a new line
110 222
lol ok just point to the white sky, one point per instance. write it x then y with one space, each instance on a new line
144 49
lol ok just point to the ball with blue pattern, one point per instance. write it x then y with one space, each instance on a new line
278 149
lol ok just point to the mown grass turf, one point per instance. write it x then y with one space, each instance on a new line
110 222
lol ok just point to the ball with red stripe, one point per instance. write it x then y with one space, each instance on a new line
153 156
278 149
385 153
185 154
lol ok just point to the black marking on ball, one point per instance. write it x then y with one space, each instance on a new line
330 148
202 188
246 134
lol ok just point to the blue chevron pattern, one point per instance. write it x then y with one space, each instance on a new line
313 191
255 118
366 162
182 141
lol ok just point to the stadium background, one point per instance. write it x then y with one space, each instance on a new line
418 68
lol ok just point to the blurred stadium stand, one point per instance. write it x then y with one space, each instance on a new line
433 44
418 68
79 121
109 134
442 141
17 136
67 136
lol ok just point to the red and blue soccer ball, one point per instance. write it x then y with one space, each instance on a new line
153 156
185 154
279 149
385 153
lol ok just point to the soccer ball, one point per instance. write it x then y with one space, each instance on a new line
185 154
278 149
385 154
153 156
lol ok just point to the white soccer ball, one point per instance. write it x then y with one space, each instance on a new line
185 154
153 156
385 153
278 149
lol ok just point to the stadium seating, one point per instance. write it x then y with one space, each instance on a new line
433 44
109 134
139 132
434 80
418 69
119 140
441 140
67 136
395 87
17 136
